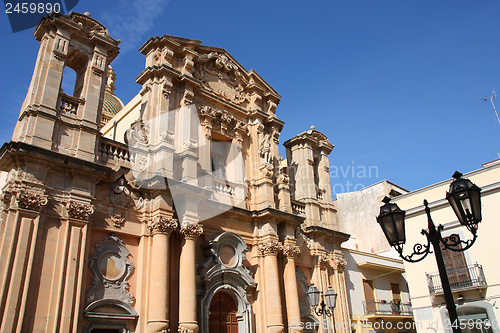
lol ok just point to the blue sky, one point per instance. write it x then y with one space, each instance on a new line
397 86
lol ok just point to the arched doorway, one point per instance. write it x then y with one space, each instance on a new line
223 314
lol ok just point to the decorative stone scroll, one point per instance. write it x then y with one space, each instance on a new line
80 211
30 200
162 225
270 248
6 200
192 230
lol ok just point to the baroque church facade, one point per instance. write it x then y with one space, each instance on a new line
174 212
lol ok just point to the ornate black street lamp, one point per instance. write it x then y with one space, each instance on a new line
322 308
465 199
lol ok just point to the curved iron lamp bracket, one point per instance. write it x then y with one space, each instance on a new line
322 308
453 241
419 250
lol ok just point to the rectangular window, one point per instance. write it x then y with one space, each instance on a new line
219 156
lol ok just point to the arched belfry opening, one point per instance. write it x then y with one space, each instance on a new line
67 110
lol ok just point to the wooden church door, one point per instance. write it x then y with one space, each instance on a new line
222 314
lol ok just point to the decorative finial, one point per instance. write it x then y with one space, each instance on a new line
313 128
87 14
386 200
457 175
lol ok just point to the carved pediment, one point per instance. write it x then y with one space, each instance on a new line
89 25
221 76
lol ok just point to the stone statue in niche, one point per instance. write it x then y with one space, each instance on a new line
123 196
265 149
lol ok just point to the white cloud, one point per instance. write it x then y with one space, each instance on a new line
131 20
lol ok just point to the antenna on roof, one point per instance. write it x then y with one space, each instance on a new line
491 98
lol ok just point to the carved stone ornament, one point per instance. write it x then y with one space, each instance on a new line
167 136
6 200
89 25
266 170
31 201
283 179
80 211
270 248
265 149
221 76
339 263
137 134
192 230
323 260
117 220
111 270
162 225
221 121
167 89
122 195
183 329
187 98
291 250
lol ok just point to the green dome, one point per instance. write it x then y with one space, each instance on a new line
111 104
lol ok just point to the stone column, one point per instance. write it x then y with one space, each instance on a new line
341 311
274 316
290 250
187 280
17 249
158 311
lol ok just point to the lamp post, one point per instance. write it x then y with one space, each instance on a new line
324 309
465 199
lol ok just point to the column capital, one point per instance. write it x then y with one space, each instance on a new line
339 263
322 260
162 225
270 248
291 250
192 230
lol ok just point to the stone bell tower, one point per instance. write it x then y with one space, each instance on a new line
62 121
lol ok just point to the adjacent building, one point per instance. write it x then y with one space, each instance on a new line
474 274
379 298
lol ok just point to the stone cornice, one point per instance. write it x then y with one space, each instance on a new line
19 153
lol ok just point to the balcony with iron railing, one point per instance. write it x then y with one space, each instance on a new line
461 278
381 308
